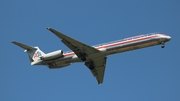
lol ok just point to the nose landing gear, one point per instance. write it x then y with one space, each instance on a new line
163 45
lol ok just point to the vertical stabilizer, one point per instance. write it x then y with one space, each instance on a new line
34 53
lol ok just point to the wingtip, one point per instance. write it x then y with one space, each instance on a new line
49 28
14 42
99 83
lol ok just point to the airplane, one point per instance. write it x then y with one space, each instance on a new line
94 57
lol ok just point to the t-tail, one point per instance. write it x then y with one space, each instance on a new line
34 53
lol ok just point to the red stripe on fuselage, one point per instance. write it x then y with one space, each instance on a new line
116 44
124 42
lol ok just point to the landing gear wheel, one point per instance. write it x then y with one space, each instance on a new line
162 46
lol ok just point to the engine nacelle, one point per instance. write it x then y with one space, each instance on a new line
52 55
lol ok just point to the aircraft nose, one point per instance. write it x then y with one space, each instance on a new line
168 38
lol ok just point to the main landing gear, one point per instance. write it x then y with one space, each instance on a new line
90 65
163 45
83 58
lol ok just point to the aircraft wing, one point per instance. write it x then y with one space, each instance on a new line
79 48
99 68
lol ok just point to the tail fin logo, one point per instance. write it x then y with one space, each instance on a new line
37 54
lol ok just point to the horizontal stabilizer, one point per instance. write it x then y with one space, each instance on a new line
26 47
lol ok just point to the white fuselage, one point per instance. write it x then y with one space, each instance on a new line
114 47
93 57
